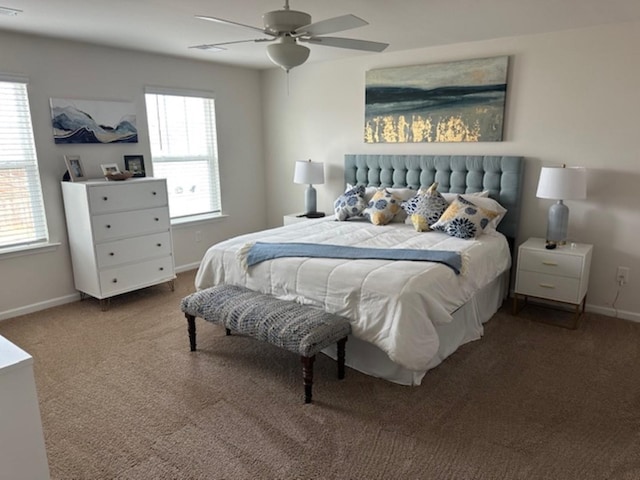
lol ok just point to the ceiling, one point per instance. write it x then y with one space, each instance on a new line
169 26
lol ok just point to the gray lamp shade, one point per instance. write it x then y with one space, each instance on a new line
308 172
561 183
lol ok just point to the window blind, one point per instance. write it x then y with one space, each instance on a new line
22 215
184 150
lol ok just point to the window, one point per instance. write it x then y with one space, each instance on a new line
184 150
22 217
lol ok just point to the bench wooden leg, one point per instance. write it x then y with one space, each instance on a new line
307 376
341 345
191 327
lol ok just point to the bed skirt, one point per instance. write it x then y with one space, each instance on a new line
467 325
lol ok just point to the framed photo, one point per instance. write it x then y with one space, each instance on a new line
135 164
110 168
74 167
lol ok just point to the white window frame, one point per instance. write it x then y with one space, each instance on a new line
19 153
210 156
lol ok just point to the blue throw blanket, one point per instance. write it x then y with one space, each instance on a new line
261 251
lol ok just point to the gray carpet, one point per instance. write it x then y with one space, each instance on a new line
122 397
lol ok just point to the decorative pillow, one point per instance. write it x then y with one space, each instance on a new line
464 219
450 197
383 206
350 204
425 208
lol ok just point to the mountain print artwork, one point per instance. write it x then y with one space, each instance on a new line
88 121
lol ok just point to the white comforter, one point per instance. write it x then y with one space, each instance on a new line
391 304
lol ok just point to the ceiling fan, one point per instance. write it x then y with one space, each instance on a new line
287 27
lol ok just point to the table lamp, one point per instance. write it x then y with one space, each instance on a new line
561 183
308 172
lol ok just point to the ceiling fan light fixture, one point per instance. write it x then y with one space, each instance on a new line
287 53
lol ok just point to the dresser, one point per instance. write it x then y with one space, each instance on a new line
558 275
119 235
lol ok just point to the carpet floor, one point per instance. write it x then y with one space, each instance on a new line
122 397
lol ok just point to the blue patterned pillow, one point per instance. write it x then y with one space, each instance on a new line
350 204
425 208
382 207
464 219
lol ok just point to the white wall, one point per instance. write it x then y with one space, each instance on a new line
572 98
61 69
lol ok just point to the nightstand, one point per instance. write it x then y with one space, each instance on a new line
558 275
290 218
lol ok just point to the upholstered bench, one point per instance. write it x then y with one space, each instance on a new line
298 328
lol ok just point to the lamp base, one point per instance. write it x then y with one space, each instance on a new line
557 223
310 200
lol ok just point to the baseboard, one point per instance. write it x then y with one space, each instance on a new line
54 302
186 268
612 312
36 307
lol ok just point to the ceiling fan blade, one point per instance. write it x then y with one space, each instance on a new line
235 24
351 43
331 25
217 46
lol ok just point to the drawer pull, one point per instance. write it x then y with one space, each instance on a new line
108 226
551 264
157 219
115 280
158 244
161 268
105 198
547 285
153 193
111 254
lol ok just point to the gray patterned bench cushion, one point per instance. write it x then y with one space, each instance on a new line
301 329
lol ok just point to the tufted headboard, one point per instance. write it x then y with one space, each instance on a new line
502 176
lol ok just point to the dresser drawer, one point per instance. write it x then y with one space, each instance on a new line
551 287
127 196
133 276
129 224
133 249
551 264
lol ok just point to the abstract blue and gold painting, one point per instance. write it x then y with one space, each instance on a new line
93 121
444 102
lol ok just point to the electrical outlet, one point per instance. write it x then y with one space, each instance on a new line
198 236
622 276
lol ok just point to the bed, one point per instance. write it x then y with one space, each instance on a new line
406 316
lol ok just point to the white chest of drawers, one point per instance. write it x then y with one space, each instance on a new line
119 235
560 275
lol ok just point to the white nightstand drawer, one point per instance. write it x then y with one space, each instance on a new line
551 287
550 263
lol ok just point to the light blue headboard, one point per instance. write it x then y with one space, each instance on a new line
502 176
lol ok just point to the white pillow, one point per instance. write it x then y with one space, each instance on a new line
488 204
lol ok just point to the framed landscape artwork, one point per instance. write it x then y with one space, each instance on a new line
93 121
445 102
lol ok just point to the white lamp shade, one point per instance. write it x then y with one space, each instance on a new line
308 172
562 183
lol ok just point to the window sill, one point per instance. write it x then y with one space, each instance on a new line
196 219
11 252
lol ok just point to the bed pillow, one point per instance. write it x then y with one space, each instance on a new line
383 206
425 208
464 219
350 204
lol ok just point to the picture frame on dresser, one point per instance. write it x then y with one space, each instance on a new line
135 164
74 167
109 168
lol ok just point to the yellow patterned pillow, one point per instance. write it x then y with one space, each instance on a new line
464 219
382 207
